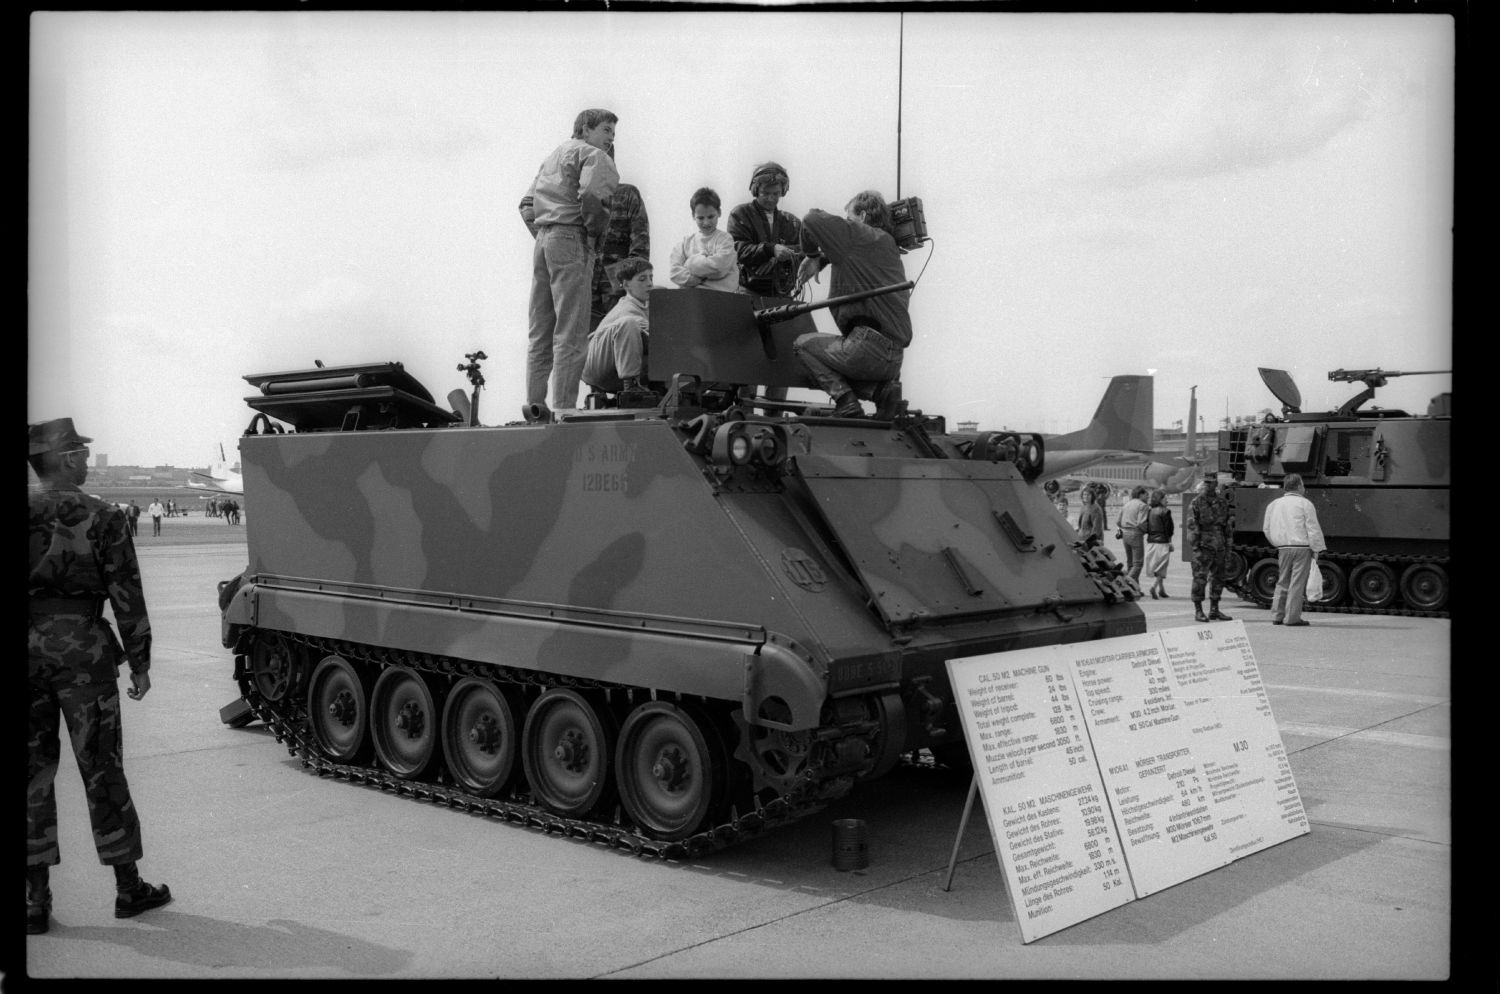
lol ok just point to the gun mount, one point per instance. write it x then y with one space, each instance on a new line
1279 381
736 338
1371 378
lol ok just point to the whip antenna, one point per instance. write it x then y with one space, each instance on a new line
900 57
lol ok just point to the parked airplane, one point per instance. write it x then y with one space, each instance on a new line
219 477
1120 431
1169 471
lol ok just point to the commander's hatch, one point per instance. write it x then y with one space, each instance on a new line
935 539
347 398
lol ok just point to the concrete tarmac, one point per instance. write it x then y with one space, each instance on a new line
278 873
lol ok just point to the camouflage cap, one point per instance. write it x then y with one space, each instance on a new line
50 436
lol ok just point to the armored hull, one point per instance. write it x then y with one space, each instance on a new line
1380 482
662 628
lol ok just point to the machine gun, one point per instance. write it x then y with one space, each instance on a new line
767 316
1371 378
720 337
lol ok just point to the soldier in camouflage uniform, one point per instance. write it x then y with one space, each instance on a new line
629 235
1210 529
80 553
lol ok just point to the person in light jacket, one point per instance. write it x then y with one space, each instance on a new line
1291 524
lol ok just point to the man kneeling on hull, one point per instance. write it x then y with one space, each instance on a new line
864 360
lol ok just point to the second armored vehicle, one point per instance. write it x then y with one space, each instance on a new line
1380 480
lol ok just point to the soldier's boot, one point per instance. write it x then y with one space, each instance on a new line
1214 614
847 406
634 394
1198 614
38 901
133 895
888 402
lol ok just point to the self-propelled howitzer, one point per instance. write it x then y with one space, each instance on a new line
663 628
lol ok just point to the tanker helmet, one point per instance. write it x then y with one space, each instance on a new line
769 172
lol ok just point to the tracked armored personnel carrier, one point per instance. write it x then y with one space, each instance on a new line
1380 480
663 628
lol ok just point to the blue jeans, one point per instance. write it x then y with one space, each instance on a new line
858 361
562 273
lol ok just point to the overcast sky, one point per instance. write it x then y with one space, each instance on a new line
218 194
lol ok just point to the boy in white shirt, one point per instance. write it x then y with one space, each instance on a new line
706 258
617 350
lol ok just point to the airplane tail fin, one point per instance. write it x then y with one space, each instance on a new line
1123 421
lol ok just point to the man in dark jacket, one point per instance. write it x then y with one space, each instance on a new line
864 360
80 554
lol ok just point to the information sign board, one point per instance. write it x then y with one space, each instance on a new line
1165 745
1041 788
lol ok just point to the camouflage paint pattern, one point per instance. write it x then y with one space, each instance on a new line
1381 485
629 234
73 680
600 547
1210 531
80 551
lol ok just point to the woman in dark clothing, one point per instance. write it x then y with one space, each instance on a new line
1158 542
1091 521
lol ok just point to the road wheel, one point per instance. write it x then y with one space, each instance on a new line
1424 587
404 722
1234 568
1335 584
270 667
566 749
1373 585
1262 578
671 769
338 705
480 736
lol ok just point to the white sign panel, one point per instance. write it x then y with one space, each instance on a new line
1158 790
1114 769
1041 788
1245 766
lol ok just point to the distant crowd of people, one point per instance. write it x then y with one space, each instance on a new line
589 309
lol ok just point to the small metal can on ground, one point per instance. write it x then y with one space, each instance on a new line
851 850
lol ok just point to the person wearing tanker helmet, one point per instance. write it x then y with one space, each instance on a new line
864 360
80 555
570 199
629 236
1210 531
767 241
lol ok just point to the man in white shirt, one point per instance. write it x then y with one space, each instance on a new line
1291 524
156 511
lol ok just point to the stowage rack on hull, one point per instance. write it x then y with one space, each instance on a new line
664 628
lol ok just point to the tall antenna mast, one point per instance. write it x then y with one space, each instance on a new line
900 56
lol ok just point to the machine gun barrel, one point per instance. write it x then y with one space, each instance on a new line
785 312
1364 375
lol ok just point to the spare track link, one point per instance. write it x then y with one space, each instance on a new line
1253 553
290 726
